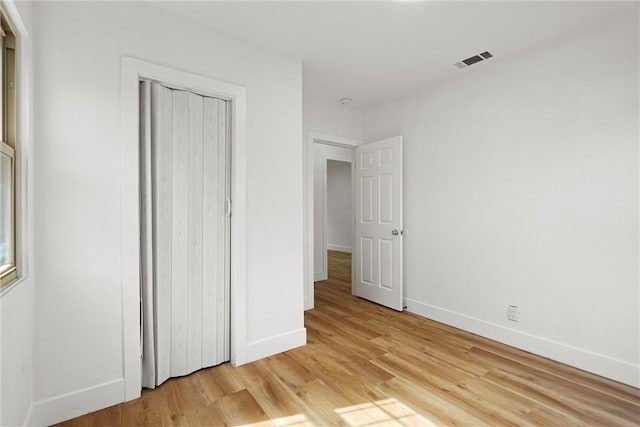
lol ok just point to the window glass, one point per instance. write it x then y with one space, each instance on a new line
6 212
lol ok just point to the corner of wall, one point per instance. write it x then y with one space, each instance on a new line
276 344
80 402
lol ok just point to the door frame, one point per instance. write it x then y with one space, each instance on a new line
132 71
314 137
343 154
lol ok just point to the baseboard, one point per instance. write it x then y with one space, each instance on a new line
277 344
70 405
27 419
339 248
320 276
598 364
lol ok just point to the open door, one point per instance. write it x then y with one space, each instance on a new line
378 228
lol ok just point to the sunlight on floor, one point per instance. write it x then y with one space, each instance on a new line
293 421
389 412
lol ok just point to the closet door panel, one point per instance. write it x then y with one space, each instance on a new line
223 306
212 213
195 229
161 151
180 228
146 240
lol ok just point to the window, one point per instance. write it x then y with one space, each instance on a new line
8 264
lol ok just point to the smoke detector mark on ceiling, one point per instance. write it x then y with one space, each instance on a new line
473 60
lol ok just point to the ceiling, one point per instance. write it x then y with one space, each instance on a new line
374 52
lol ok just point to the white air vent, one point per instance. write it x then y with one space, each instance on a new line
473 60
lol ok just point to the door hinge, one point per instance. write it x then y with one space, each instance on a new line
227 207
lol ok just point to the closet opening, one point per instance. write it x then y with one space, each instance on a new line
185 231
133 71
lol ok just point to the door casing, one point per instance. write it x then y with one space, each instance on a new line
132 71
330 140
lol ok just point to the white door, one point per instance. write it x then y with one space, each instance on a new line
378 228
186 232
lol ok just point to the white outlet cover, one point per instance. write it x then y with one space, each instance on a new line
513 313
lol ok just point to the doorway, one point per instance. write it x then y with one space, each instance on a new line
377 217
339 220
320 148
185 231
132 71
323 153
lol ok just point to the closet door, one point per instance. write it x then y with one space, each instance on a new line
186 235
217 233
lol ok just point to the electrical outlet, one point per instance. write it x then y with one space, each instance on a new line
513 313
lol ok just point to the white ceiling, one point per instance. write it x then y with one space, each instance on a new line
374 52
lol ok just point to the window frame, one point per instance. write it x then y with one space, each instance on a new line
8 134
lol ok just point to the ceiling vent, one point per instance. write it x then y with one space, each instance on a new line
473 60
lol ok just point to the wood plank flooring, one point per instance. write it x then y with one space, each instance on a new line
339 266
365 365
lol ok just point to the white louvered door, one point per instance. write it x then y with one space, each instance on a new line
185 232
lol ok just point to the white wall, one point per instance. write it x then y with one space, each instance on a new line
78 325
17 301
521 187
334 119
339 206
16 342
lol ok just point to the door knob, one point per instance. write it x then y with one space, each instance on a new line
395 232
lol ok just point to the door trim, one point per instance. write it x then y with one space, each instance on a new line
314 137
132 71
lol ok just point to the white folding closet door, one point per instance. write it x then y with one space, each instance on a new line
186 232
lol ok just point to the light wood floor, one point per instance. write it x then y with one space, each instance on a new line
365 365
